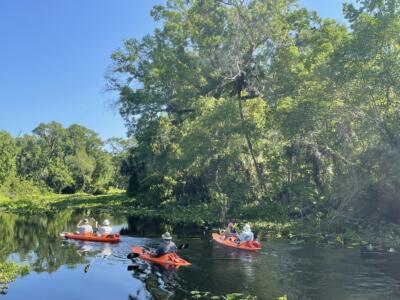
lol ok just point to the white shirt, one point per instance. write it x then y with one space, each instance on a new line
85 228
246 236
104 230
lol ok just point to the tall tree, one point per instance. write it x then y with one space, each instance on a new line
8 152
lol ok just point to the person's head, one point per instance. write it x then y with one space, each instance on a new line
106 223
246 228
230 225
85 221
166 237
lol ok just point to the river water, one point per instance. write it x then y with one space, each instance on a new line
298 271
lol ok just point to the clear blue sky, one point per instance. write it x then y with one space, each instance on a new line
54 54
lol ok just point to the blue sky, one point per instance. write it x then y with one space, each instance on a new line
54 54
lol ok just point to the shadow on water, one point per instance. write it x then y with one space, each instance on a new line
154 226
64 269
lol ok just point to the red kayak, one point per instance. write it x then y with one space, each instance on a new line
110 238
170 259
230 242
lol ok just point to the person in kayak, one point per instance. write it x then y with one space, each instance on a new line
246 235
84 227
229 231
166 246
104 229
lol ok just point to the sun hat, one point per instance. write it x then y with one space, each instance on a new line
106 222
85 221
166 236
246 227
230 225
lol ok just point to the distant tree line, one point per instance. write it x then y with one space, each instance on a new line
261 105
62 160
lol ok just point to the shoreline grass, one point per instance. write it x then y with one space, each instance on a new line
296 231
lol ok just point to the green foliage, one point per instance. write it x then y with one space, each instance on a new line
65 160
9 271
20 189
260 106
231 296
8 152
155 189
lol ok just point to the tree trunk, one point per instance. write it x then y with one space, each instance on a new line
315 159
250 146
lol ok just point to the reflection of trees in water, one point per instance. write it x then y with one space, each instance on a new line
154 226
35 238
144 226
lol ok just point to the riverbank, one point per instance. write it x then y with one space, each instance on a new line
54 202
337 232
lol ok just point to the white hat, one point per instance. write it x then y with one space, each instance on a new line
85 221
246 227
166 236
106 222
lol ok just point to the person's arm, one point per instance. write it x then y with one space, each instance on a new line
159 251
79 224
174 248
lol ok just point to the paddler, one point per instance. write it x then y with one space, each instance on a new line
84 227
229 231
166 246
246 235
104 229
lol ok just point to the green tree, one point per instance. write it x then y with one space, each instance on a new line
65 159
8 152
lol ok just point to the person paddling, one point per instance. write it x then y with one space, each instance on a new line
246 235
229 231
166 246
104 229
84 227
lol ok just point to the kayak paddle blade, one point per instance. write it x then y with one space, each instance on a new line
183 246
86 269
132 255
132 267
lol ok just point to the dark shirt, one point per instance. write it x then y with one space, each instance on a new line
165 248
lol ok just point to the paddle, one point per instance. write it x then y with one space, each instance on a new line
183 246
86 269
132 255
132 267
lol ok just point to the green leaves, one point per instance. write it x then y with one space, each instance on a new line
63 159
256 100
9 271
8 152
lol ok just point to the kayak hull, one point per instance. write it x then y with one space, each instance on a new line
111 238
167 260
229 242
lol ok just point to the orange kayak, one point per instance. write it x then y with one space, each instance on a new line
171 259
230 242
111 238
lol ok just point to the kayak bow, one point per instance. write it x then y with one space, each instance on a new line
230 242
170 259
110 238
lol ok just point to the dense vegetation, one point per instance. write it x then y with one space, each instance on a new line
240 109
259 107
59 160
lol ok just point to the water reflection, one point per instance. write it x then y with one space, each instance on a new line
299 271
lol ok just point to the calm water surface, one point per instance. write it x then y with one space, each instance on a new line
299 271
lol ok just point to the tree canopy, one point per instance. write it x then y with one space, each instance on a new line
64 160
261 103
